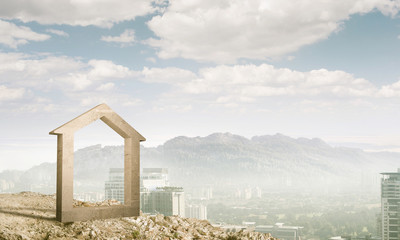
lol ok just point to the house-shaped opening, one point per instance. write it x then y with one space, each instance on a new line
97 150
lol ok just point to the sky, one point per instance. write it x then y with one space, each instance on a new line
326 68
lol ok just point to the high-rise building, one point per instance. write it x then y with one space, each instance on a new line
201 192
114 187
153 178
155 195
198 211
280 231
379 224
256 192
168 201
390 205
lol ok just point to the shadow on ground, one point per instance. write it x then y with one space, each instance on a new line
36 213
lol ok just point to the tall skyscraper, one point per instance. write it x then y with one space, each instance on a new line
390 205
198 211
168 201
114 187
155 194
153 178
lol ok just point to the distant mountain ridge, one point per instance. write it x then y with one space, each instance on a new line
268 160
225 159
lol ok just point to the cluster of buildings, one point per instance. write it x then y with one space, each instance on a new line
201 193
156 194
89 196
355 238
248 193
278 230
281 231
6 186
388 221
158 197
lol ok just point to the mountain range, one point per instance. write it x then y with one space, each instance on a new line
225 160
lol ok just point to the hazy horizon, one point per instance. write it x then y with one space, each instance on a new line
112 139
323 69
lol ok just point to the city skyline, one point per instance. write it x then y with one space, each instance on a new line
324 69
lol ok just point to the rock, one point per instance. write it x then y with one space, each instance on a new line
17 223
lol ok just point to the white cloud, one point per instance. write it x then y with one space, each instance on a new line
180 108
391 90
7 94
106 87
57 32
37 71
171 75
41 81
94 73
227 30
75 12
126 38
223 85
12 35
88 99
240 84
58 72
252 84
264 80
104 69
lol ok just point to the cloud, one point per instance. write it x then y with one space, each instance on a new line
170 75
12 35
57 32
75 12
7 94
126 38
94 73
48 72
391 90
225 31
220 84
37 71
250 81
253 84
106 87
87 99
43 82
86 82
105 69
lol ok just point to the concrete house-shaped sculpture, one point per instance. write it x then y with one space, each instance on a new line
65 212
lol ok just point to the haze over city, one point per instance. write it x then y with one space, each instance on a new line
263 119
170 68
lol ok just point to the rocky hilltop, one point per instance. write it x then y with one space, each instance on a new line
32 216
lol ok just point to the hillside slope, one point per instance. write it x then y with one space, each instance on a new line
32 216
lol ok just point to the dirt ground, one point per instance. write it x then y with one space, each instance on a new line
32 216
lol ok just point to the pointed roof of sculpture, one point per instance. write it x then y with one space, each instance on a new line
104 113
